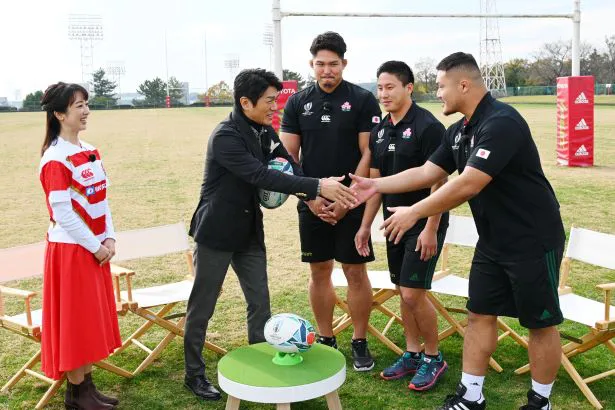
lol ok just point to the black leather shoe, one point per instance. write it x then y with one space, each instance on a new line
201 387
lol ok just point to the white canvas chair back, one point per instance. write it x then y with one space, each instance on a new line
461 231
21 262
155 302
592 247
151 242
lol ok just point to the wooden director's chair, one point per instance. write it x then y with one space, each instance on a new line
155 303
461 232
23 262
597 249
383 290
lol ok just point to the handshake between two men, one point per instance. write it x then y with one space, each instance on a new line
336 199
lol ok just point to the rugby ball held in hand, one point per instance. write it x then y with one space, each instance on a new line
270 199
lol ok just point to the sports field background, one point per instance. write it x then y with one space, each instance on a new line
154 159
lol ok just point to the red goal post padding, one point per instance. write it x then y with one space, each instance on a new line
575 121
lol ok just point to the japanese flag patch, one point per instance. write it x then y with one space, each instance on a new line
483 153
375 119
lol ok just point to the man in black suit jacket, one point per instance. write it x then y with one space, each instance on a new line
227 225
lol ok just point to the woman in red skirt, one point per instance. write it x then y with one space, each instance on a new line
79 312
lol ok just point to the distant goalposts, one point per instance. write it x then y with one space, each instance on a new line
278 15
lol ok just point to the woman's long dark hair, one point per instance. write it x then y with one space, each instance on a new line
57 98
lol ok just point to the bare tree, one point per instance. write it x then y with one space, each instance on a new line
425 75
552 61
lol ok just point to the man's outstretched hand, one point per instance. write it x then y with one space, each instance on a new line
364 188
332 189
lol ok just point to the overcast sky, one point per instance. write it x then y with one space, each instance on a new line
35 50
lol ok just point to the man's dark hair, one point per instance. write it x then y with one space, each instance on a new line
253 83
459 60
330 41
399 69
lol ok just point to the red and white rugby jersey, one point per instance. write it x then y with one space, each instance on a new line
72 174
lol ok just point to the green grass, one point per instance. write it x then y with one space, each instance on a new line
155 162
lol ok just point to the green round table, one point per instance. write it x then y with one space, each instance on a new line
249 374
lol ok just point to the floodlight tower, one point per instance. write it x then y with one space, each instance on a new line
231 63
86 28
491 65
116 70
268 40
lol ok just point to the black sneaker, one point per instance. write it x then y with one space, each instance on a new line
362 360
536 401
327 341
457 402
428 373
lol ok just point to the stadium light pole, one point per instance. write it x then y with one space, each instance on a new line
232 64
86 28
206 83
117 69
575 16
166 63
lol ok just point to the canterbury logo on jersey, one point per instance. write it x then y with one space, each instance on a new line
325 118
87 174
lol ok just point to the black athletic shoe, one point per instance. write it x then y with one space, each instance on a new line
536 401
457 402
362 360
327 341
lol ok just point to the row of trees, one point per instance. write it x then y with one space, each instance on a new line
222 92
553 60
104 93
550 61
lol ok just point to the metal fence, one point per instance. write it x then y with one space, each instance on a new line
600 89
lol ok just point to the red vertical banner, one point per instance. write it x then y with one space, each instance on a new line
575 121
288 89
167 101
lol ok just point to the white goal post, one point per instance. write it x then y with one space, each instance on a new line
278 15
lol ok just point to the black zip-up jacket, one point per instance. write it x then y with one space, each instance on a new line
228 213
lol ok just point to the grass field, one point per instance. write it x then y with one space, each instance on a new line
155 162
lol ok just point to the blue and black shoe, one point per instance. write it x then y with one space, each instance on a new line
429 371
406 364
